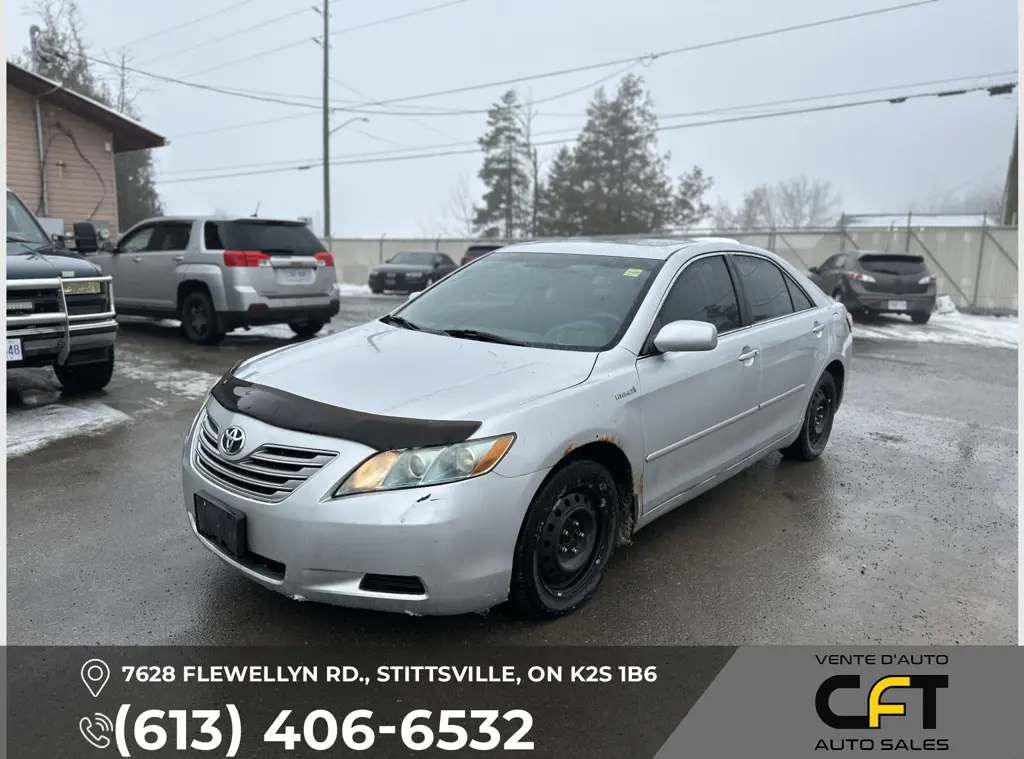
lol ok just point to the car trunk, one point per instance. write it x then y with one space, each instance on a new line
895 273
298 263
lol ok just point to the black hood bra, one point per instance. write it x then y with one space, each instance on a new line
293 412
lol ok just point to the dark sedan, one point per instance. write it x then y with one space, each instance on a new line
410 271
878 282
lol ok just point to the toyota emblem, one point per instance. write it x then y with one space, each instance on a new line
232 440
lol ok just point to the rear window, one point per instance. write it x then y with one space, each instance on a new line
475 251
891 263
279 238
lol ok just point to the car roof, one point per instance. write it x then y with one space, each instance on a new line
221 217
900 253
626 247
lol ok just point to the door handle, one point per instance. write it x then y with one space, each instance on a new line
137 259
179 258
749 354
818 328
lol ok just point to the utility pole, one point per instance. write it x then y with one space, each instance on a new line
327 123
1009 214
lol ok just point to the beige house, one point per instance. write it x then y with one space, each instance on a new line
61 147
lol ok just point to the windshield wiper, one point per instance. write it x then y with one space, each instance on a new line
484 337
18 238
400 321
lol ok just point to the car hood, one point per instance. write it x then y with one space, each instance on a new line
401 268
26 262
379 369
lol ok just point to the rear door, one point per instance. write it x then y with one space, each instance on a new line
790 330
158 279
299 265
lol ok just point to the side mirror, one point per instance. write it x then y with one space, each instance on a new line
437 263
813 270
86 239
686 336
106 246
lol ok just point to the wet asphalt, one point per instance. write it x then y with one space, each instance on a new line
904 532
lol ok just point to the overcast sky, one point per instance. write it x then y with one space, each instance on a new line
880 157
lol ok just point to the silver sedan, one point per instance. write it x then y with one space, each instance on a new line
496 437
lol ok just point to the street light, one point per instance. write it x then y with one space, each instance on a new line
350 121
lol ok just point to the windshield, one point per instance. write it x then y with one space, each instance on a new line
545 300
892 263
21 224
423 259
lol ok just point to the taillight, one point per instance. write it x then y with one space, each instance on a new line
929 280
849 321
245 258
324 259
856 276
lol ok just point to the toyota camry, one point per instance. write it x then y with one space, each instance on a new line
497 436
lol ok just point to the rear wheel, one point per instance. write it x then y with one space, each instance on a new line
199 319
86 378
566 541
921 317
817 426
307 328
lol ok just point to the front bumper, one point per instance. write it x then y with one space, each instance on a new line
43 346
403 283
457 539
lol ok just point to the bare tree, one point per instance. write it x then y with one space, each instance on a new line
460 213
790 204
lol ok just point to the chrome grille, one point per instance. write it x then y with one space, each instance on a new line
270 473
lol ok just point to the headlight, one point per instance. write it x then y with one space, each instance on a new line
418 467
413 275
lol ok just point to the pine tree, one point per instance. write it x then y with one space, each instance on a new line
614 181
61 54
507 206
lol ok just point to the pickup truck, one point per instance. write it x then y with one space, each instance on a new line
60 307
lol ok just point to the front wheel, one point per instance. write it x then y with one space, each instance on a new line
199 319
566 541
86 378
817 426
306 329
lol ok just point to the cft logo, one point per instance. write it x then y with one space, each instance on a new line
929 686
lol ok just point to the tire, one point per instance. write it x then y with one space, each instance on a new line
306 329
199 319
376 290
815 430
921 318
548 581
86 378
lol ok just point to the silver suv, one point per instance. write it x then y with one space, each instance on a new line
216 274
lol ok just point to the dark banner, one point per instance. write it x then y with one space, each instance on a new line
593 703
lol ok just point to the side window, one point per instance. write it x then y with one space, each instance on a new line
830 263
445 260
704 292
765 288
137 241
800 300
212 239
170 236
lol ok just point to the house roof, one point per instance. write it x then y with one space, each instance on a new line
128 133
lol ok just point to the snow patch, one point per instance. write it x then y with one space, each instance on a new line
945 305
300 599
952 328
185 383
344 288
37 428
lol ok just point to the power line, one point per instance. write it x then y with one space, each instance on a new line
546 143
651 57
304 40
534 77
691 114
187 24
220 38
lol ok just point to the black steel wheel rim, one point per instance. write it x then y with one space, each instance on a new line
570 543
819 417
198 319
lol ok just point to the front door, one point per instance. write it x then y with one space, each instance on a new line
125 266
698 408
165 252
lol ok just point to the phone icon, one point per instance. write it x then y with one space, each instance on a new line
93 729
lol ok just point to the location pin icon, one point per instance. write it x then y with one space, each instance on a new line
95 674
